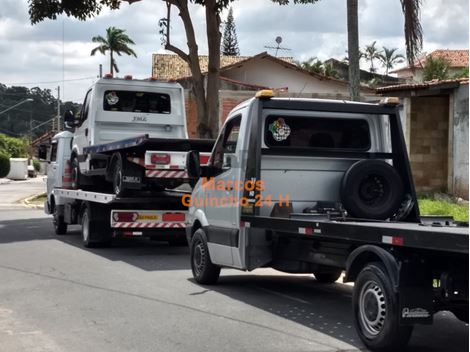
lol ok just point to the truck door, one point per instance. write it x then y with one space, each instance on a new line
52 167
82 133
222 194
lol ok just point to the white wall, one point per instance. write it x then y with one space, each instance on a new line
268 73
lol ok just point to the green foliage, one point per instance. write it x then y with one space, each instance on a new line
443 207
36 165
315 65
116 41
389 57
370 54
230 41
13 147
436 68
463 73
4 164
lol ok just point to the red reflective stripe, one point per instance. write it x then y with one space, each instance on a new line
173 217
397 241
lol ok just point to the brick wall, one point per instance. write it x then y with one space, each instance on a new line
429 128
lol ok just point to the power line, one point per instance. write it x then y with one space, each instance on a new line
51 82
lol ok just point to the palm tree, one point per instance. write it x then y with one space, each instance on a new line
116 41
389 58
312 65
413 38
371 53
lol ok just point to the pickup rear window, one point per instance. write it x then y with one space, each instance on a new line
317 132
132 101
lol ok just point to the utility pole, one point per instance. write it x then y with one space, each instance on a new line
101 71
58 108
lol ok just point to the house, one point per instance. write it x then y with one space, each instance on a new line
458 60
242 76
435 122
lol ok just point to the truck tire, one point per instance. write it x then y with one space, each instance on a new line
75 173
371 189
60 226
328 277
204 272
376 312
118 185
92 233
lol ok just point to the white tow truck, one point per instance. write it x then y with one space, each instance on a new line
130 134
104 216
322 187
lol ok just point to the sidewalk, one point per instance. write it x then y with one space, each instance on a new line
13 193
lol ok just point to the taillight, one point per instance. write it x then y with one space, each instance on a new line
204 159
161 159
173 217
121 216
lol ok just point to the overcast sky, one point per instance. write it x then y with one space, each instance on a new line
45 54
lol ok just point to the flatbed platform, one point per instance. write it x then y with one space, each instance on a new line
414 235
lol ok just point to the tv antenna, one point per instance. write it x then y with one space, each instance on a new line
278 47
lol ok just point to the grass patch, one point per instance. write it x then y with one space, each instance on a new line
443 207
39 200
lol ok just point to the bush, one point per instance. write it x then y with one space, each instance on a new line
13 147
4 165
36 165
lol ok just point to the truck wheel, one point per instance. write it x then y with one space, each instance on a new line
118 186
75 173
88 229
204 272
328 277
376 313
371 189
60 226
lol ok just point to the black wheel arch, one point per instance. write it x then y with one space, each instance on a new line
366 254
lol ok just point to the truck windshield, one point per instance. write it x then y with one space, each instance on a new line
316 132
132 101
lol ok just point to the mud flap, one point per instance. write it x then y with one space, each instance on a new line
415 293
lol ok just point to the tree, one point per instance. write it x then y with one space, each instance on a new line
315 65
435 68
230 41
389 57
206 95
370 54
116 41
413 38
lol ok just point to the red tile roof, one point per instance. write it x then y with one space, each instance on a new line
449 83
456 59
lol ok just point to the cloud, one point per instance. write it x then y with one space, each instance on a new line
34 53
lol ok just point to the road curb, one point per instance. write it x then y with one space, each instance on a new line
27 201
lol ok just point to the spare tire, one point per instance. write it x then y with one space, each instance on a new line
371 189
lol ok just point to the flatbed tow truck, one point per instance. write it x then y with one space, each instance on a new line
325 187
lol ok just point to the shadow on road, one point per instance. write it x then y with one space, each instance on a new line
140 252
326 308
298 298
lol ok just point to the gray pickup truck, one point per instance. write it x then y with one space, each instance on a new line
325 187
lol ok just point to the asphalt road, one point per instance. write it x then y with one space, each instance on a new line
138 295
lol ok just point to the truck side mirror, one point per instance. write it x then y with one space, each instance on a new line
193 165
42 152
69 119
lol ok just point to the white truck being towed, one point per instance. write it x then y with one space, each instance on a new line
132 134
